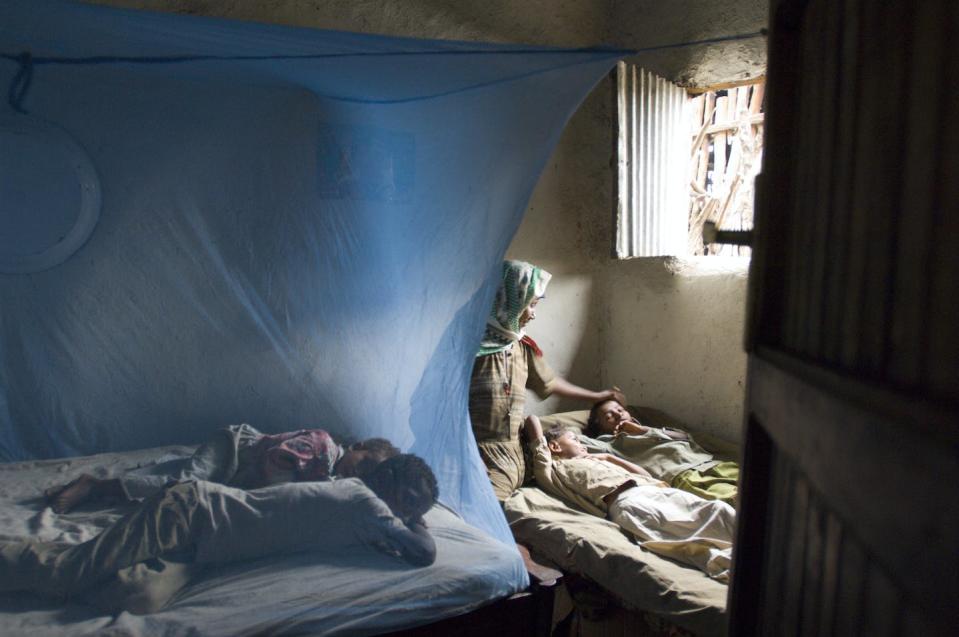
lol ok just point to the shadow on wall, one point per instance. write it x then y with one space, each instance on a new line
583 340
566 329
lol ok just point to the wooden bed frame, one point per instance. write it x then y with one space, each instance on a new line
525 614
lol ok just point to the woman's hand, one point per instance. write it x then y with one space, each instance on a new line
614 394
566 389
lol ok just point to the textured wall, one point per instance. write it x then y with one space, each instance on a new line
568 23
548 22
603 321
645 23
673 337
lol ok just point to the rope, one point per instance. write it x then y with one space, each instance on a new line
22 80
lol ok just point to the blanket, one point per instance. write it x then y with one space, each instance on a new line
363 594
598 549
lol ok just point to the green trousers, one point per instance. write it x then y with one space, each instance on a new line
716 483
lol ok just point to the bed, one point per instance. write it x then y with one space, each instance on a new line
362 594
596 549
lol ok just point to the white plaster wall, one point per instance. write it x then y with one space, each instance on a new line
672 337
670 340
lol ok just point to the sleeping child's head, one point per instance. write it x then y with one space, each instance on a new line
604 416
362 457
406 484
563 443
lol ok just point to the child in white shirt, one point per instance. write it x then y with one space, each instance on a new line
664 520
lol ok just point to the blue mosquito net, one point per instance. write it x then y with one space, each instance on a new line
206 222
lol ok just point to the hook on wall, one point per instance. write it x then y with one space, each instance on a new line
20 83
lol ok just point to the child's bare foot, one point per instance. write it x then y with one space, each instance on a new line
64 498
542 574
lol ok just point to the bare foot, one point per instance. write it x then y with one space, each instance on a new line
542 574
64 498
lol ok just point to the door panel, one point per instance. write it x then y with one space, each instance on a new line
859 524
849 513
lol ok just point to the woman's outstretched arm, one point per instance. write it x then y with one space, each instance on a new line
566 389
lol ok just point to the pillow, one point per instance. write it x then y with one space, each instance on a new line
651 417
576 420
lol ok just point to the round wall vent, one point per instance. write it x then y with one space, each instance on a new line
49 195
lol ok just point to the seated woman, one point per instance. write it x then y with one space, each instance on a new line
205 523
670 455
507 364
663 520
240 456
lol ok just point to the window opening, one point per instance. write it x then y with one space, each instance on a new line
684 159
727 133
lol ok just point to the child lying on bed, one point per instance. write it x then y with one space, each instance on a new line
670 455
239 456
662 519
205 522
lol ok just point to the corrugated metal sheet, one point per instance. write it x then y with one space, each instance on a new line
653 187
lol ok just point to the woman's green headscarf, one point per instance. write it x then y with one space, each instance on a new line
522 283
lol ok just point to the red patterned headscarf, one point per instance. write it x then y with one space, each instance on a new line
296 456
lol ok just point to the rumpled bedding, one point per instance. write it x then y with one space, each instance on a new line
357 594
217 460
598 549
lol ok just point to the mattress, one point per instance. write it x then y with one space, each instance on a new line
577 542
362 593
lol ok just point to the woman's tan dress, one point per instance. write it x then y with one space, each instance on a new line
497 400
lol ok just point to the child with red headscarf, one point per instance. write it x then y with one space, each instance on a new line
239 456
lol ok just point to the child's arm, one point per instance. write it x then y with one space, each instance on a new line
625 464
419 548
631 427
675 434
534 429
542 458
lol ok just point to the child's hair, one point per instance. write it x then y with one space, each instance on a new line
554 433
377 446
407 471
592 425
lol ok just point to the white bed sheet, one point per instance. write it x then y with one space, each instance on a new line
361 594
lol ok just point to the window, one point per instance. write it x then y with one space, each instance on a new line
726 156
683 160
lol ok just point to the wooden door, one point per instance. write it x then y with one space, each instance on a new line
849 512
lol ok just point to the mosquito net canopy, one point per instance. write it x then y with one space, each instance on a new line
206 222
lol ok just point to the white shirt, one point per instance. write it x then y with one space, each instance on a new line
234 524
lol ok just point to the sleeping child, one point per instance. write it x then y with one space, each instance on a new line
239 456
663 520
205 523
668 454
